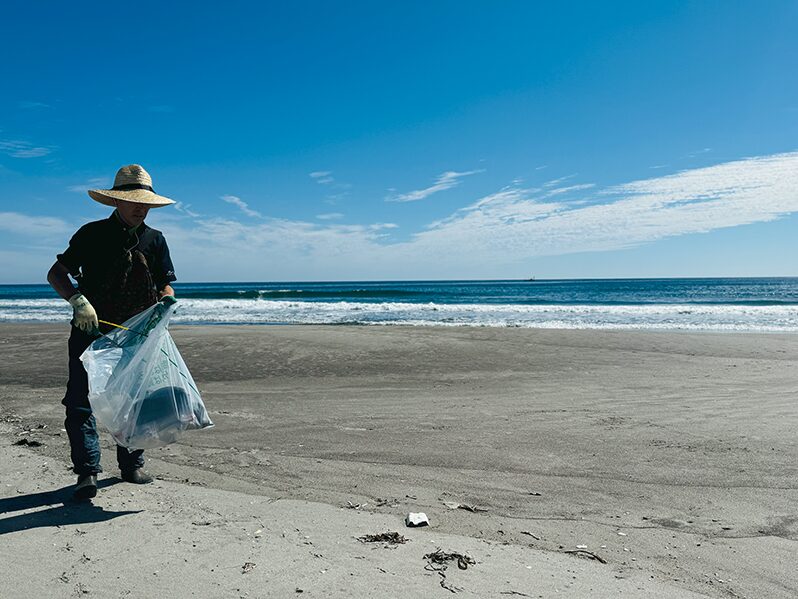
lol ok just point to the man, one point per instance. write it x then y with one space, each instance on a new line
122 267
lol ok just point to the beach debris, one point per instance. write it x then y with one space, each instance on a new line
416 519
28 442
32 429
453 505
534 536
247 567
520 594
587 554
355 506
298 590
438 561
387 502
581 546
534 493
391 538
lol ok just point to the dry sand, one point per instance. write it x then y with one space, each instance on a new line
671 456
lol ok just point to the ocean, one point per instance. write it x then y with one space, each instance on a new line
753 304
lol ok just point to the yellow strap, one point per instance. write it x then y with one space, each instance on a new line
118 326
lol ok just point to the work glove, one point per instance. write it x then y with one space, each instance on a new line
84 316
168 300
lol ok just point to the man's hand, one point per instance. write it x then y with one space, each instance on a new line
84 316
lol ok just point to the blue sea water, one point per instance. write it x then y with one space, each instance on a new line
754 304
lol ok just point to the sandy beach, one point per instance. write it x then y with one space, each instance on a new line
594 464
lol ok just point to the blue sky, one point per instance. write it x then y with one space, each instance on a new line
413 140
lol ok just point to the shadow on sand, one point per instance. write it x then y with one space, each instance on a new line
63 511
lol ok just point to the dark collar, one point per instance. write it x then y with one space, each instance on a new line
121 225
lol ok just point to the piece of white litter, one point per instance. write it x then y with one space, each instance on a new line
415 519
581 546
623 534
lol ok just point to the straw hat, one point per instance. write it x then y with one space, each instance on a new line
132 184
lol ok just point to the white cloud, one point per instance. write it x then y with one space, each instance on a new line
568 189
503 231
698 152
236 201
94 183
322 177
38 227
556 182
186 209
515 223
23 149
330 216
498 233
444 181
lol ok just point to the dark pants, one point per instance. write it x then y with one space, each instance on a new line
80 425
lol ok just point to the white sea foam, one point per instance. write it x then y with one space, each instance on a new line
258 311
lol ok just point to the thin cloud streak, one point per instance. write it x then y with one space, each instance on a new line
322 177
444 181
186 209
33 226
570 189
241 204
94 183
23 149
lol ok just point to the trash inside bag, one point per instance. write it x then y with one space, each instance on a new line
139 386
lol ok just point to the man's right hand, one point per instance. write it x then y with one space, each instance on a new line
84 317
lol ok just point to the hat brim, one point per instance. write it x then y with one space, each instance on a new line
139 196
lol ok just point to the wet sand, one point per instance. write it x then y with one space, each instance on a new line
672 456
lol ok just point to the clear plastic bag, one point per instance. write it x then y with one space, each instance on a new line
139 386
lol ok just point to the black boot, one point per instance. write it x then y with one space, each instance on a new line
86 487
136 476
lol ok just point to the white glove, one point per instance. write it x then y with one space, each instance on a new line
84 317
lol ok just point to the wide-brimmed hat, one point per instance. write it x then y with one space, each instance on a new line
132 184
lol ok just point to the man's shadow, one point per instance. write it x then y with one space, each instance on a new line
64 510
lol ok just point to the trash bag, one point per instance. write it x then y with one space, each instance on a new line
139 386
